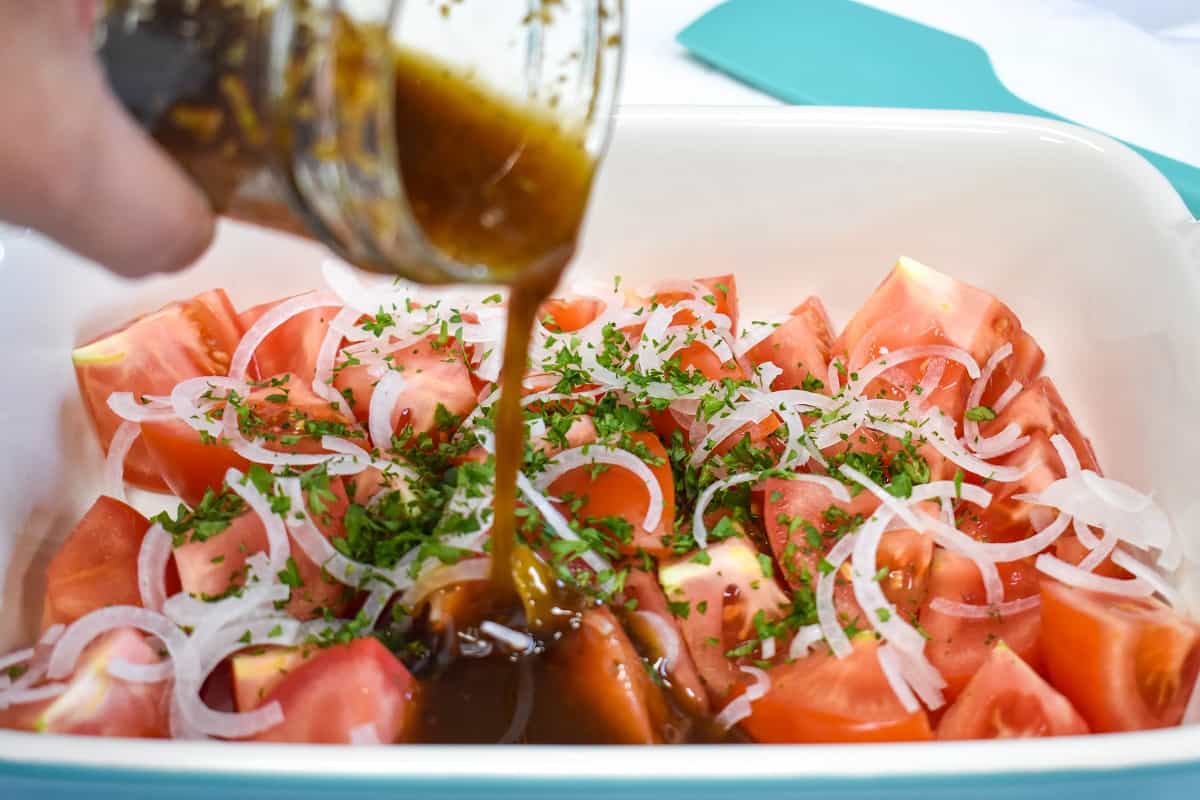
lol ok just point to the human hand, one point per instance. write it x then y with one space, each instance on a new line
73 164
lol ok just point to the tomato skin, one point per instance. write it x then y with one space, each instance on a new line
722 289
959 646
97 704
643 587
916 305
800 346
1006 699
823 699
1039 407
97 564
188 465
340 688
434 375
1070 549
561 315
149 355
597 675
1127 664
618 492
293 346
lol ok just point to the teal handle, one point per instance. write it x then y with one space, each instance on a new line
838 52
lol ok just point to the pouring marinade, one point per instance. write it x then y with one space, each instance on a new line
726 529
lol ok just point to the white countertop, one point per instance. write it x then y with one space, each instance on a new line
1057 54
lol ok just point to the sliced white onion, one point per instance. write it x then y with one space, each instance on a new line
441 575
265 325
940 434
1100 551
935 370
1066 454
1084 534
890 501
1119 495
18 657
889 662
383 404
322 384
869 593
653 339
835 636
188 677
1191 712
16 697
1074 576
952 608
153 556
124 406
1007 396
947 490
768 648
890 360
186 400
992 445
1150 575
740 707
129 672
1109 505
956 541
803 641
924 679
279 548
758 332
667 636
515 641
699 528
114 463
590 454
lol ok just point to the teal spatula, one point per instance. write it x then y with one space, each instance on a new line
840 53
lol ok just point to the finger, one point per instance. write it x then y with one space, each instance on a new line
75 166
127 205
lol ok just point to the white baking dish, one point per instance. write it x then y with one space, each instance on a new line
1082 238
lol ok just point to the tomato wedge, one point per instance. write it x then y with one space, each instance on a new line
959 646
617 492
97 704
716 603
800 347
210 567
1126 663
803 521
97 564
1039 407
595 675
284 413
257 672
916 305
148 356
683 678
566 316
342 689
1006 699
824 699
294 345
435 375
722 295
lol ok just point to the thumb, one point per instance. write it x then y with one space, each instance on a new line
75 166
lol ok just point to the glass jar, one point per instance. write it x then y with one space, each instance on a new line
440 140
